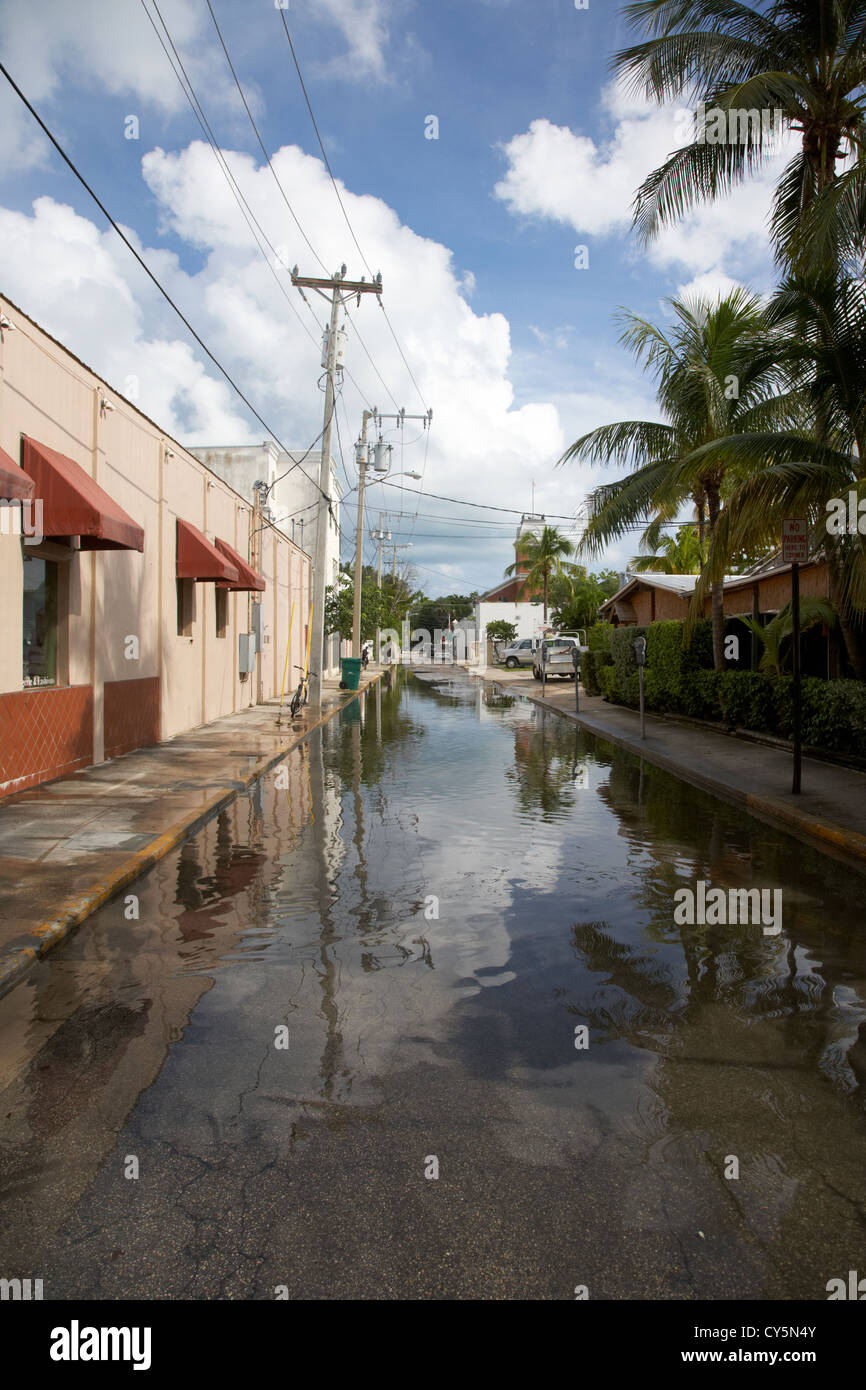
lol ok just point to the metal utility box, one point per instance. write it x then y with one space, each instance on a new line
247 653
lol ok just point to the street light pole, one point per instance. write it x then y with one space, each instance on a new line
359 536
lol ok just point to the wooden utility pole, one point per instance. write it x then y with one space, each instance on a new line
339 290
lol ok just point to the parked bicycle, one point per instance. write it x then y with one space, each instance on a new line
300 696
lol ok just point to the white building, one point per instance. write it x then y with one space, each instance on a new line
293 502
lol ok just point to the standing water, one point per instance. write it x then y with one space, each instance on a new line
418 1018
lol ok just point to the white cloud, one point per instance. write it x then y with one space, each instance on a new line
364 26
589 186
371 51
54 46
82 285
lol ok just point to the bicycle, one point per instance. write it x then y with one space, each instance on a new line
300 696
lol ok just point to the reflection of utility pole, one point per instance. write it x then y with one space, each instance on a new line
329 972
341 290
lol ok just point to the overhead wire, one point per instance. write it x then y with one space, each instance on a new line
342 204
145 267
283 194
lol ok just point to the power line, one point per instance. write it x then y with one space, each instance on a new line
234 187
343 208
165 294
259 138
484 506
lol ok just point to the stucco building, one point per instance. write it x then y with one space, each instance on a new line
129 602
293 499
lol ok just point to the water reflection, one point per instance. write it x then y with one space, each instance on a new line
442 886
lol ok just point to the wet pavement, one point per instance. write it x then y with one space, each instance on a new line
240 1077
67 846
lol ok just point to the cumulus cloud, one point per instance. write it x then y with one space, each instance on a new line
364 26
589 185
82 285
54 46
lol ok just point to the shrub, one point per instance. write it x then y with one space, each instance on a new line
834 715
622 642
591 664
745 700
609 686
598 637
680 680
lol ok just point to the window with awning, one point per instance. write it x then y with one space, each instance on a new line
74 505
249 581
198 559
15 484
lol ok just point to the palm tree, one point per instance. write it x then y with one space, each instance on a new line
717 374
773 636
683 553
542 557
819 323
804 58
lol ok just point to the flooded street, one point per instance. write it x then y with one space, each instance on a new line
333 1045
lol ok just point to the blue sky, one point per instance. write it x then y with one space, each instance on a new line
474 232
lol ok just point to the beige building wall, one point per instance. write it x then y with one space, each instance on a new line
110 596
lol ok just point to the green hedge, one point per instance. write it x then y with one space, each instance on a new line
591 664
680 680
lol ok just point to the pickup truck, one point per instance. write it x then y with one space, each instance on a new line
559 658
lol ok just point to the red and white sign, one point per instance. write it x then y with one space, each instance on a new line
795 542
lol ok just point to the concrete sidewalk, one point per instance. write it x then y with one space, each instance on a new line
68 846
830 810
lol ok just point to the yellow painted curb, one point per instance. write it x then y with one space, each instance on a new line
15 963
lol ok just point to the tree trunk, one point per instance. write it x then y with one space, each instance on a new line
852 631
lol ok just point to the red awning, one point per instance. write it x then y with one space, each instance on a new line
74 505
248 580
198 559
15 485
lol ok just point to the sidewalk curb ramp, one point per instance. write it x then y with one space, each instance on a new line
16 960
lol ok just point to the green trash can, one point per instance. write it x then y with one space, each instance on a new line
351 667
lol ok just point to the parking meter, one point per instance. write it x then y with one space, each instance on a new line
640 659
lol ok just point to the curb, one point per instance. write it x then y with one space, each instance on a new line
16 962
802 823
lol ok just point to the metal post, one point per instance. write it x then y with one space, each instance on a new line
642 712
359 541
795 613
575 661
376 652
543 669
640 661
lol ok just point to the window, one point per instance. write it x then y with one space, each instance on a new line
222 612
185 607
40 621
